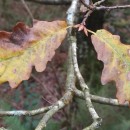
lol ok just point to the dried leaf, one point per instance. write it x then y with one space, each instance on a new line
26 47
116 59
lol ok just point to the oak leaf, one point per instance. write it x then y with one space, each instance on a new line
26 47
116 58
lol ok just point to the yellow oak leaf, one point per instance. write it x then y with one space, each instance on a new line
116 58
26 47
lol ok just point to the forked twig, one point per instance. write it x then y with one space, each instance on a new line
96 119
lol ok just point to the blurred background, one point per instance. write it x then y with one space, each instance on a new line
45 88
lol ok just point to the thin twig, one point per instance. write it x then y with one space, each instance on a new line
91 9
99 2
101 100
49 114
78 93
25 113
112 7
86 16
65 100
28 10
70 82
89 4
94 7
96 119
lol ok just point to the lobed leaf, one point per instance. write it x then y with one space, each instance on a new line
26 47
116 58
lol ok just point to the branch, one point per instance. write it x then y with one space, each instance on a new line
99 2
112 7
72 67
65 100
71 14
52 2
78 93
86 3
96 119
25 113
101 100
89 4
70 82
91 8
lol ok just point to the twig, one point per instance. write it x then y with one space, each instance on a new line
78 93
96 119
91 9
86 16
99 2
28 10
89 4
70 82
49 114
86 3
71 14
112 7
65 100
94 7
101 100
25 113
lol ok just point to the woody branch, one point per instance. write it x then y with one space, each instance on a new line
70 83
